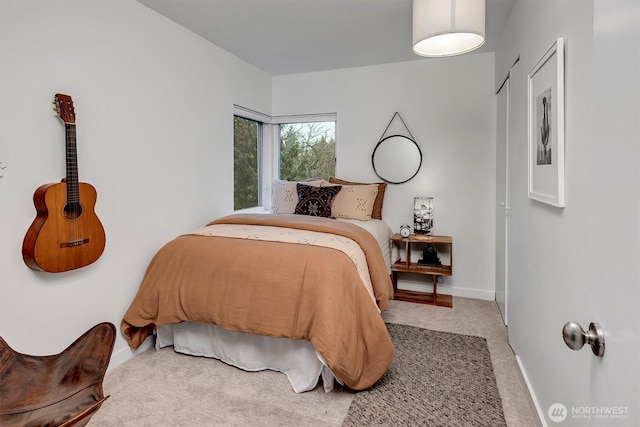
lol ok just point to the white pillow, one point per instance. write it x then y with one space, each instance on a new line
354 201
284 195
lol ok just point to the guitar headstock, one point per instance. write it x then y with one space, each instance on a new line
64 107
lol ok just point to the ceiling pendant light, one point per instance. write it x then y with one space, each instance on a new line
447 27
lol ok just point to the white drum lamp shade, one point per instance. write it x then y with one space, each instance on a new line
448 27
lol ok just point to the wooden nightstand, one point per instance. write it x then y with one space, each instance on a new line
407 266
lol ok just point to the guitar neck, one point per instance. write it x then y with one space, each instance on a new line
73 191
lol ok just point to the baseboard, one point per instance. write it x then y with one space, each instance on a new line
446 289
121 356
474 293
540 413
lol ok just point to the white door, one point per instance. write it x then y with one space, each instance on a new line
502 199
615 219
606 392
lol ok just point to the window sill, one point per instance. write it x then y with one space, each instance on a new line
257 209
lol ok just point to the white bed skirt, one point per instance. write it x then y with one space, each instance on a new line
295 358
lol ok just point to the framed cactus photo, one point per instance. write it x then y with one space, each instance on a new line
546 127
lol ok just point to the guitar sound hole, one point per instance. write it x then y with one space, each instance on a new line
72 211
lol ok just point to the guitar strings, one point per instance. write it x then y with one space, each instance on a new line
73 191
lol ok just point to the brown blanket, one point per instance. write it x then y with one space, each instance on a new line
273 289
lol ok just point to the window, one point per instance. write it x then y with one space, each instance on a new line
307 150
287 147
246 162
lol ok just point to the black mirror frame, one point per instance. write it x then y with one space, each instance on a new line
374 163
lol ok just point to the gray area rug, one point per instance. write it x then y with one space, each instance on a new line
435 379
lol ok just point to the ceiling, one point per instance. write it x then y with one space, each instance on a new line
298 36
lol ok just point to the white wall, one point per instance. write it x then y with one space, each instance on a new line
153 107
549 248
449 107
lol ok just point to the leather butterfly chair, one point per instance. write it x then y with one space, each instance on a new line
64 389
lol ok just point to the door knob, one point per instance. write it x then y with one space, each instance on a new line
575 337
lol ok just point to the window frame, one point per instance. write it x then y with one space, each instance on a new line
269 147
259 160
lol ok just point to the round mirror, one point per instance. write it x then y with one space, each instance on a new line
396 159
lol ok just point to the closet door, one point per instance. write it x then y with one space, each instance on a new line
502 197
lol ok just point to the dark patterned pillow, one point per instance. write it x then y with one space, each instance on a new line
315 201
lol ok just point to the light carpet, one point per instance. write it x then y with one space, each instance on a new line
437 378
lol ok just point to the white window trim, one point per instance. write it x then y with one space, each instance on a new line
250 114
270 159
305 118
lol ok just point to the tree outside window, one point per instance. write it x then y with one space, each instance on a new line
307 150
246 166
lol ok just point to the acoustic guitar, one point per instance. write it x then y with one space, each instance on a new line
66 233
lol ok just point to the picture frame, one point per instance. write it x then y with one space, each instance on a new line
545 87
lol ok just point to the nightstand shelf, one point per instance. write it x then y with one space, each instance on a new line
406 266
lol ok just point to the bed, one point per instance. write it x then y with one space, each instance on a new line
291 292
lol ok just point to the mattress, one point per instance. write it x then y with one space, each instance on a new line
382 232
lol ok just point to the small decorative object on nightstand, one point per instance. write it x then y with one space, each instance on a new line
422 215
405 230
429 256
429 265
